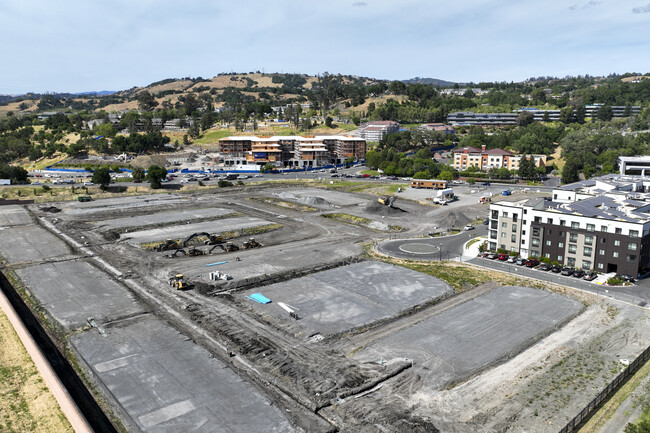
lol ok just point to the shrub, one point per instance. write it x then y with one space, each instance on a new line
224 184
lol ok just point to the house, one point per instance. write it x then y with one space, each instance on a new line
467 157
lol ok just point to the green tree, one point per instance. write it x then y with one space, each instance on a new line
328 121
421 175
102 177
605 113
525 118
527 167
146 101
155 174
642 427
267 167
446 175
105 130
571 171
138 173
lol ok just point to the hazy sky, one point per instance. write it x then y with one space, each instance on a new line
86 45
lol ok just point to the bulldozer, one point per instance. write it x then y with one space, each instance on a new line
251 243
387 200
177 282
169 244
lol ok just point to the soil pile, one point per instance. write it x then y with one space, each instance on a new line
315 201
376 208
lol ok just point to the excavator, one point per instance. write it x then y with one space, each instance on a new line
387 200
177 282
251 243
211 239
169 244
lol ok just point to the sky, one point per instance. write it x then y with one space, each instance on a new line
93 45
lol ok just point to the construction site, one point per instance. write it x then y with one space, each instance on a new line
267 308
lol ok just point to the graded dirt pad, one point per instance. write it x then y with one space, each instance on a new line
161 218
184 230
73 291
377 208
166 383
13 215
347 297
112 206
30 243
333 198
475 335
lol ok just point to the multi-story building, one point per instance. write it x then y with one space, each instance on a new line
251 152
467 157
591 110
601 224
634 165
500 119
375 131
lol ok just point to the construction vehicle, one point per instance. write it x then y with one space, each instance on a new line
169 244
211 239
177 252
218 275
251 243
177 282
193 252
229 247
387 200
83 198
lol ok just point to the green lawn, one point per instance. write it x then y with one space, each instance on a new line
212 137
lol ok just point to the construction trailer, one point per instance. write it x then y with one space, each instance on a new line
444 195
429 184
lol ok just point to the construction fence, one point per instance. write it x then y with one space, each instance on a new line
594 404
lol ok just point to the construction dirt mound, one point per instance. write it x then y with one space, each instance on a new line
51 209
377 208
315 201
455 219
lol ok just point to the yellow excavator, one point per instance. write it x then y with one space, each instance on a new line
387 200
177 282
251 243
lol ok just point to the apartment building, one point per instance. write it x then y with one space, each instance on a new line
601 224
467 157
591 110
290 151
468 118
375 131
634 165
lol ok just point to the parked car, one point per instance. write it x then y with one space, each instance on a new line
556 269
531 263
590 276
545 267
506 192
625 277
520 262
486 222
502 257
578 273
486 184
140 180
469 227
36 183
491 256
567 271
513 259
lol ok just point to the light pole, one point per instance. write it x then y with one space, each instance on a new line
440 251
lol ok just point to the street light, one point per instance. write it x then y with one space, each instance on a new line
440 251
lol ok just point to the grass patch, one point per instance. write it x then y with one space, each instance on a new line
26 404
213 136
607 410
472 242
362 222
284 204
370 172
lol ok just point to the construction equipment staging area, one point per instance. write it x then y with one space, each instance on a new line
276 318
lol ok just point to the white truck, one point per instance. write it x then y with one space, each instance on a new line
5 181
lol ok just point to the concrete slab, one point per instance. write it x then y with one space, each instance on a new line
30 243
348 297
162 218
14 215
167 383
112 206
321 198
474 335
74 291
182 231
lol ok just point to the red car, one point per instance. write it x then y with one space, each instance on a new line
532 263
366 175
503 257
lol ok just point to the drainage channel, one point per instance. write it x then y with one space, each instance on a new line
93 414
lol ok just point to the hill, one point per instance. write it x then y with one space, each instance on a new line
430 81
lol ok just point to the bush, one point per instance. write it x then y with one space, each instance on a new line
224 184
615 281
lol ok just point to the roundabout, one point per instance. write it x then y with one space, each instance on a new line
419 248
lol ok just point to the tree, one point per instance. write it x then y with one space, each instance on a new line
138 173
16 174
446 175
527 167
267 167
642 427
525 118
146 101
571 171
105 130
605 113
102 177
328 121
155 174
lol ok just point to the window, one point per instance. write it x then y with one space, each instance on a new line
589 240
525 211
571 261
603 229
554 196
617 243
503 247
601 252
573 237
523 232
548 243
535 242
513 238
561 234
573 249
534 253
602 240
575 225
631 257
549 220
504 224
600 266
549 232
634 233
587 251
495 214
560 258
618 231
535 231
631 246
560 244
514 218
514 227
503 235
538 219
562 222
615 254
505 214
586 264
591 227
547 255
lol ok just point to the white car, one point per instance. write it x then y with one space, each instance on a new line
469 227
88 183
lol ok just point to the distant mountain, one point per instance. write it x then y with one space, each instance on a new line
431 81
100 93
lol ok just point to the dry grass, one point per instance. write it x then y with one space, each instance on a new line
557 159
26 404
